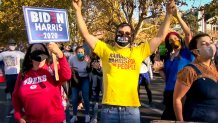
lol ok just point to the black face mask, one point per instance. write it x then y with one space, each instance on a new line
122 40
38 55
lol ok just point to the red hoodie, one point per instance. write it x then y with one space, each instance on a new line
39 94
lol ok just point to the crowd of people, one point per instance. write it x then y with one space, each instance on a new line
189 69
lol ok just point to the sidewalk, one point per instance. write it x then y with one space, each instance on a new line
148 112
5 106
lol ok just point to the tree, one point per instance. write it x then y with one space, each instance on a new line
134 12
192 20
142 15
101 16
12 23
210 10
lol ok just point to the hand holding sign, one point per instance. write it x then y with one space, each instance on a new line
53 48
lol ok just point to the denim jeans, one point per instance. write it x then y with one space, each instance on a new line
119 114
85 95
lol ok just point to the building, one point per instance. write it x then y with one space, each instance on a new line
212 27
209 25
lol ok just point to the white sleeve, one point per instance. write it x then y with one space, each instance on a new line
150 72
149 68
22 55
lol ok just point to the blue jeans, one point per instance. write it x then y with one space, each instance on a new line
119 114
85 95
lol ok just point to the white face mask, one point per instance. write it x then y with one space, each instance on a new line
12 47
207 52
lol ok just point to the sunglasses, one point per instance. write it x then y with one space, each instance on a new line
124 33
13 44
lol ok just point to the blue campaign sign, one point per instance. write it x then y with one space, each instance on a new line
46 25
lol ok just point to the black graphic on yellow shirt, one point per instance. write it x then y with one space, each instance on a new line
121 62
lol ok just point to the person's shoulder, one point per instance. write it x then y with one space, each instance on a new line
185 49
187 75
67 53
143 46
188 69
186 53
17 53
72 57
102 43
6 52
20 52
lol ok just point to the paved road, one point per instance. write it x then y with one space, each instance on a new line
148 113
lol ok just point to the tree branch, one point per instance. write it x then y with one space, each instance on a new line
132 7
139 25
143 29
124 11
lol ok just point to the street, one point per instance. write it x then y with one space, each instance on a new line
148 112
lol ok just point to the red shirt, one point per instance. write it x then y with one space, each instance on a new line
39 94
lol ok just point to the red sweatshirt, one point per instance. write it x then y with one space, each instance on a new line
39 94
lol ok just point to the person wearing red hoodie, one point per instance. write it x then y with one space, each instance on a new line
37 97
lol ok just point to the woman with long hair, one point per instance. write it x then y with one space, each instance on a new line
36 90
177 57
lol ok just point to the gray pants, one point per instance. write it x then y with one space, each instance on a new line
96 88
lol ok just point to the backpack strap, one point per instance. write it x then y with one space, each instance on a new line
144 63
195 68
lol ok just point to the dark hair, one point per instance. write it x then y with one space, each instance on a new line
140 43
12 41
79 47
194 41
27 62
167 44
123 25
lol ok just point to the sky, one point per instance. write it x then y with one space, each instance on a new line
195 3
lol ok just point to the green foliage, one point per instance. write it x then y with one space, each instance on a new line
211 9
192 22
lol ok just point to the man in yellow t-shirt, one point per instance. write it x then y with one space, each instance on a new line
121 66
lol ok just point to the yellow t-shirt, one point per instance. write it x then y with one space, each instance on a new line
121 69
